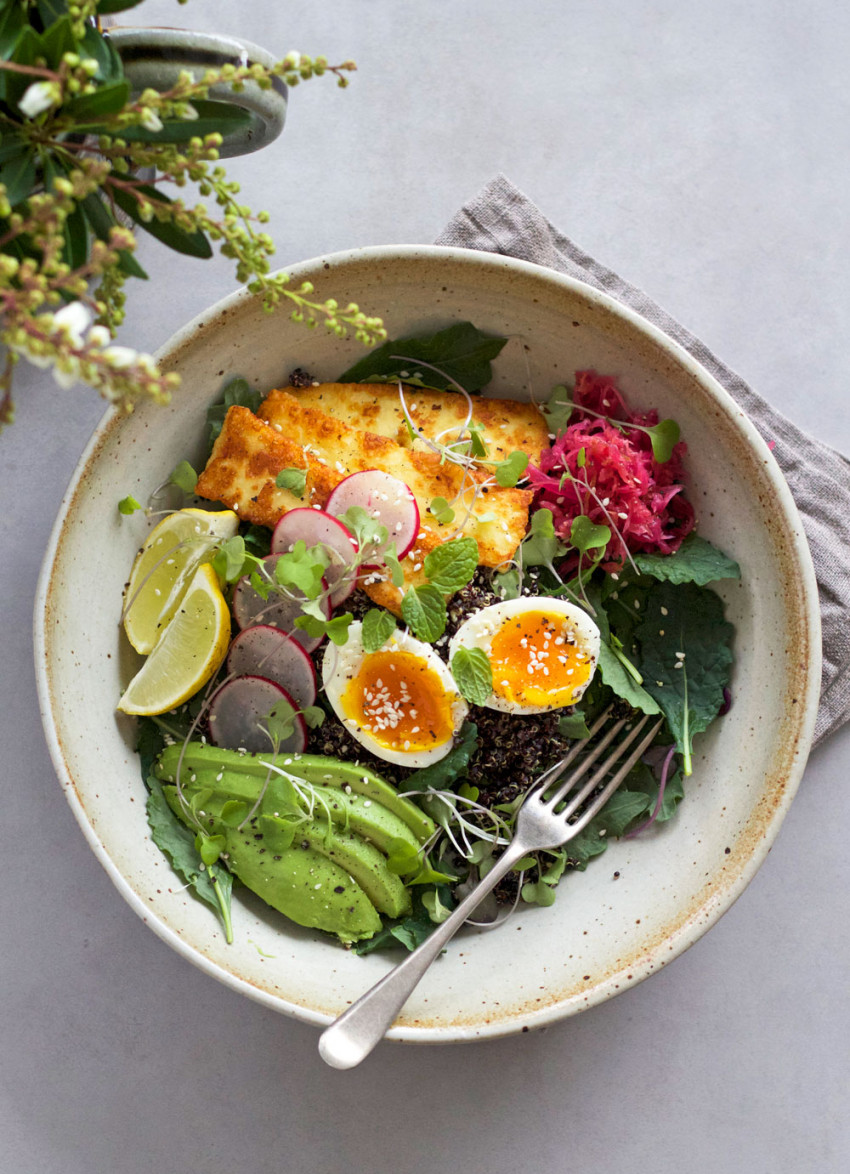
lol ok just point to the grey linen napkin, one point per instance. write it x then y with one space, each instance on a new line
500 219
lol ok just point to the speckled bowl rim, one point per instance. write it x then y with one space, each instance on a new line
796 738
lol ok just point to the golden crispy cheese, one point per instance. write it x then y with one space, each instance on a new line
376 407
250 452
244 463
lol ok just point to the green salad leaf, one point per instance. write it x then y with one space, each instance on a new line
686 657
696 561
442 775
236 392
462 353
211 883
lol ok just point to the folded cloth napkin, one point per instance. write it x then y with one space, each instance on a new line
500 219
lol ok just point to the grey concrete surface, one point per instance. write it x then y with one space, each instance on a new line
700 149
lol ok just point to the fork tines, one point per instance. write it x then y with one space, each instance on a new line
551 798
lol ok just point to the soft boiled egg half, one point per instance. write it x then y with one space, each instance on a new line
400 702
543 652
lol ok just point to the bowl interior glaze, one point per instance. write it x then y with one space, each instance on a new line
602 935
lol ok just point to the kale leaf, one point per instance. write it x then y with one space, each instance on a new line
696 561
461 352
685 657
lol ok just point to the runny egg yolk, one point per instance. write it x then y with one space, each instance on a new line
399 699
538 659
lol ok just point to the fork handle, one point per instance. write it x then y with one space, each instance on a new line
352 1036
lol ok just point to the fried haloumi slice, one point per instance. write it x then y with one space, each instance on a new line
376 407
243 466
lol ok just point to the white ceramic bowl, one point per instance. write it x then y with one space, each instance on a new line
602 935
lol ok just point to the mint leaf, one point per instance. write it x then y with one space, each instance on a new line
295 480
451 566
461 352
696 561
423 609
378 626
473 674
686 657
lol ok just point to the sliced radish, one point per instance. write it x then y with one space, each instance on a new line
388 500
264 651
278 611
239 714
316 527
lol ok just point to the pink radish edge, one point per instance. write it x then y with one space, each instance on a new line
264 651
386 498
249 609
317 527
236 710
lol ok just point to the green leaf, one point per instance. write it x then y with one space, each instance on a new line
212 885
664 436
507 584
510 470
408 932
686 657
615 675
213 118
621 810
236 392
441 510
423 609
573 726
58 37
440 776
12 145
696 561
191 244
541 547
559 409
129 505
18 174
295 480
110 68
335 629
109 99
538 893
209 847
302 568
473 674
101 222
370 534
390 557
13 21
184 476
229 560
378 626
586 535
461 352
450 567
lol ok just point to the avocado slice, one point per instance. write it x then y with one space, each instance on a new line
304 884
357 813
364 864
328 772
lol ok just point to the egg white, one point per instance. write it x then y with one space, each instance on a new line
479 630
342 663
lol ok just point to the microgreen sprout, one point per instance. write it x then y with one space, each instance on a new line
663 436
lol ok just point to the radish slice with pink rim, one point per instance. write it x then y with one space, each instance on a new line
316 527
387 500
264 651
239 711
278 611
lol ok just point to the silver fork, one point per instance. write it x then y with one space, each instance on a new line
353 1035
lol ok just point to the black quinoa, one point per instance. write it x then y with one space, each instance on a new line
301 378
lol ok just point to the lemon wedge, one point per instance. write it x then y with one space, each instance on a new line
189 652
164 568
